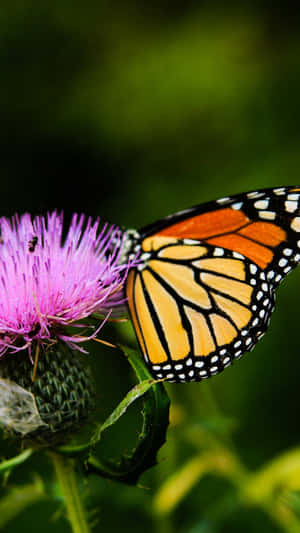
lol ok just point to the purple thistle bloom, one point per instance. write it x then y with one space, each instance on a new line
48 283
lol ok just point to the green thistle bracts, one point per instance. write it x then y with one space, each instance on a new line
63 388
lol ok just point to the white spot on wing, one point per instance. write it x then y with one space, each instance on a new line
267 215
282 262
255 194
293 197
261 204
237 206
190 241
219 251
237 255
145 256
295 224
183 212
291 206
223 200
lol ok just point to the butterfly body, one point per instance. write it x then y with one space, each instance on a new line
203 292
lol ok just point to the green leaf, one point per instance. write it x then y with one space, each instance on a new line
135 393
91 434
152 434
9 464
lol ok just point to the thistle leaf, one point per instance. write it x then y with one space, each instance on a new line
152 434
135 393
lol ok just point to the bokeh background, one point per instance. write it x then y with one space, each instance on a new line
132 111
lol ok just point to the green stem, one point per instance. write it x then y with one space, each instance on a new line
9 464
66 476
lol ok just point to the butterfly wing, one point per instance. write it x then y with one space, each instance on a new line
204 291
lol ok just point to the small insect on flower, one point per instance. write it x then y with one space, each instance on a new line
49 282
32 244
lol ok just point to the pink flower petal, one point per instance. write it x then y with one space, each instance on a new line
48 282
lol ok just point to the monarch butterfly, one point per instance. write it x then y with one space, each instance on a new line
203 292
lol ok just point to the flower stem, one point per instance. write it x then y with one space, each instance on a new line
66 476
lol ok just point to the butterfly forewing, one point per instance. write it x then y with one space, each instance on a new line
204 291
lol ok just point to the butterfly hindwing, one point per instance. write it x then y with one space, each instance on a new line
204 290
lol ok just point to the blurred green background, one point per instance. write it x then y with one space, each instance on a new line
132 111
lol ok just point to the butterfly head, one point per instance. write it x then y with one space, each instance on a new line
129 244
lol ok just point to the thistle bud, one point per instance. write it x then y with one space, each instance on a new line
63 391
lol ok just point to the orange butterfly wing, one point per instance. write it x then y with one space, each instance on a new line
203 294
232 230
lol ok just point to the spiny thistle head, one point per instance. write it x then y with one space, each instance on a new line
62 391
49 287
48 283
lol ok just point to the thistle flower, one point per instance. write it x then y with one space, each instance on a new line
48 282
